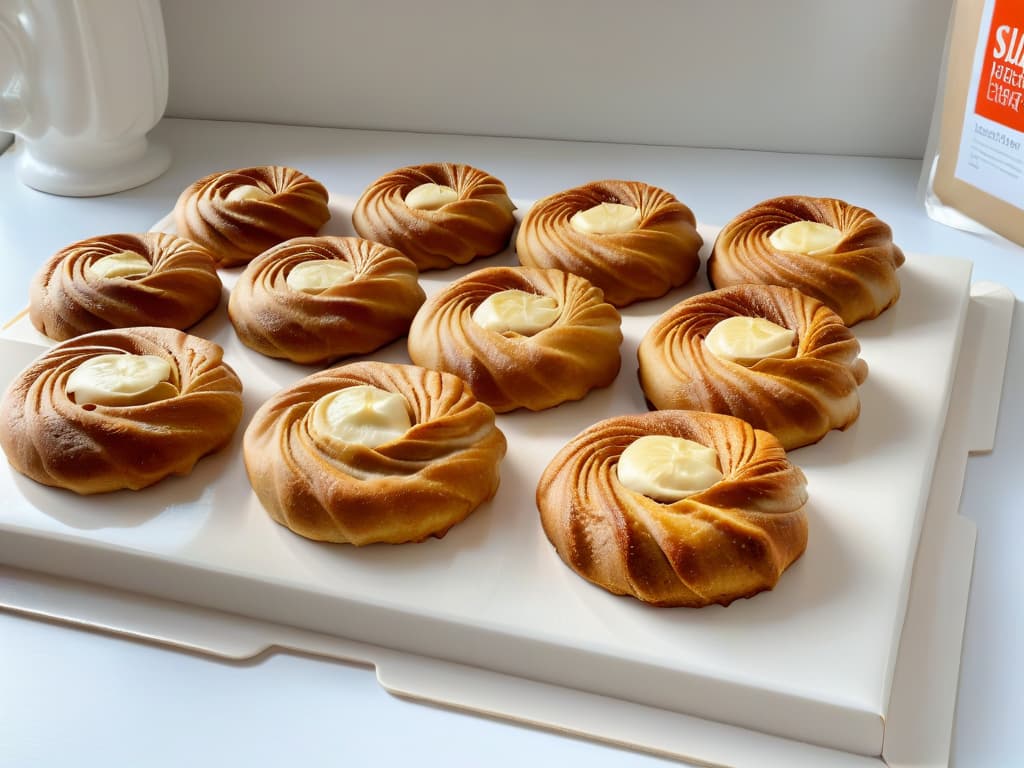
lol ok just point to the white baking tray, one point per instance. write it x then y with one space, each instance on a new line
812 661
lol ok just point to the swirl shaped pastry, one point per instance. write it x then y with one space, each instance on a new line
852 270
239 214
438 214
123 280
417 483
62 433
799 396
639 242
315 299
575 350
730 540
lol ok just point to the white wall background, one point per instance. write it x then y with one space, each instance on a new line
829 76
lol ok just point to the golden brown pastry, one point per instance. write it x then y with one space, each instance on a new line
239 214
769 355
732 535
438 214
520 337
119 281
119 409
631 240
315 299
825 248
373 452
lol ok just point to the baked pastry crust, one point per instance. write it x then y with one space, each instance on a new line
352 318
858 280
236 231
409 489
66 299
478 223
660 254
799 400
731 540
579 352
97 448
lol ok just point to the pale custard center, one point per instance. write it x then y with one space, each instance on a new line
746 340
516 311
668 468
318 275
430 196
122 264
248 192
363 414
606 219
121 380
810 238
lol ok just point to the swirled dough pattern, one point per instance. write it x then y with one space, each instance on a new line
857 279
579 352
67 297
97 448
416 486
798 399
661 253
371 309
239 214
478 223
731 540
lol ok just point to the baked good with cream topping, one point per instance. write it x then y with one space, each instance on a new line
631 240
316 299
437 214
769 355
119 409
123 280
676 508
239 214
373 452
520 337
838 253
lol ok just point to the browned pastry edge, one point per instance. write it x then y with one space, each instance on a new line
732 540
95 448
237 231
507 370
660 254
375 308
858 280
479 223
407 490
799 400
67 300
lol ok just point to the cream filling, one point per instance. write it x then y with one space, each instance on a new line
363 414
745 340
668 468
430 196
606 219
121 380
123 264
247 192
319 274
517 311
810 238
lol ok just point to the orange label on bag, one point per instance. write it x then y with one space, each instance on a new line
1001 81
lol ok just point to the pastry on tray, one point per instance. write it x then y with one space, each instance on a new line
123 280
520 337
119 409
239 214
769 355
373 452
315 299
438 214
825 248
676 508
631 240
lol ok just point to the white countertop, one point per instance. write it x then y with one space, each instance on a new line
114 702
